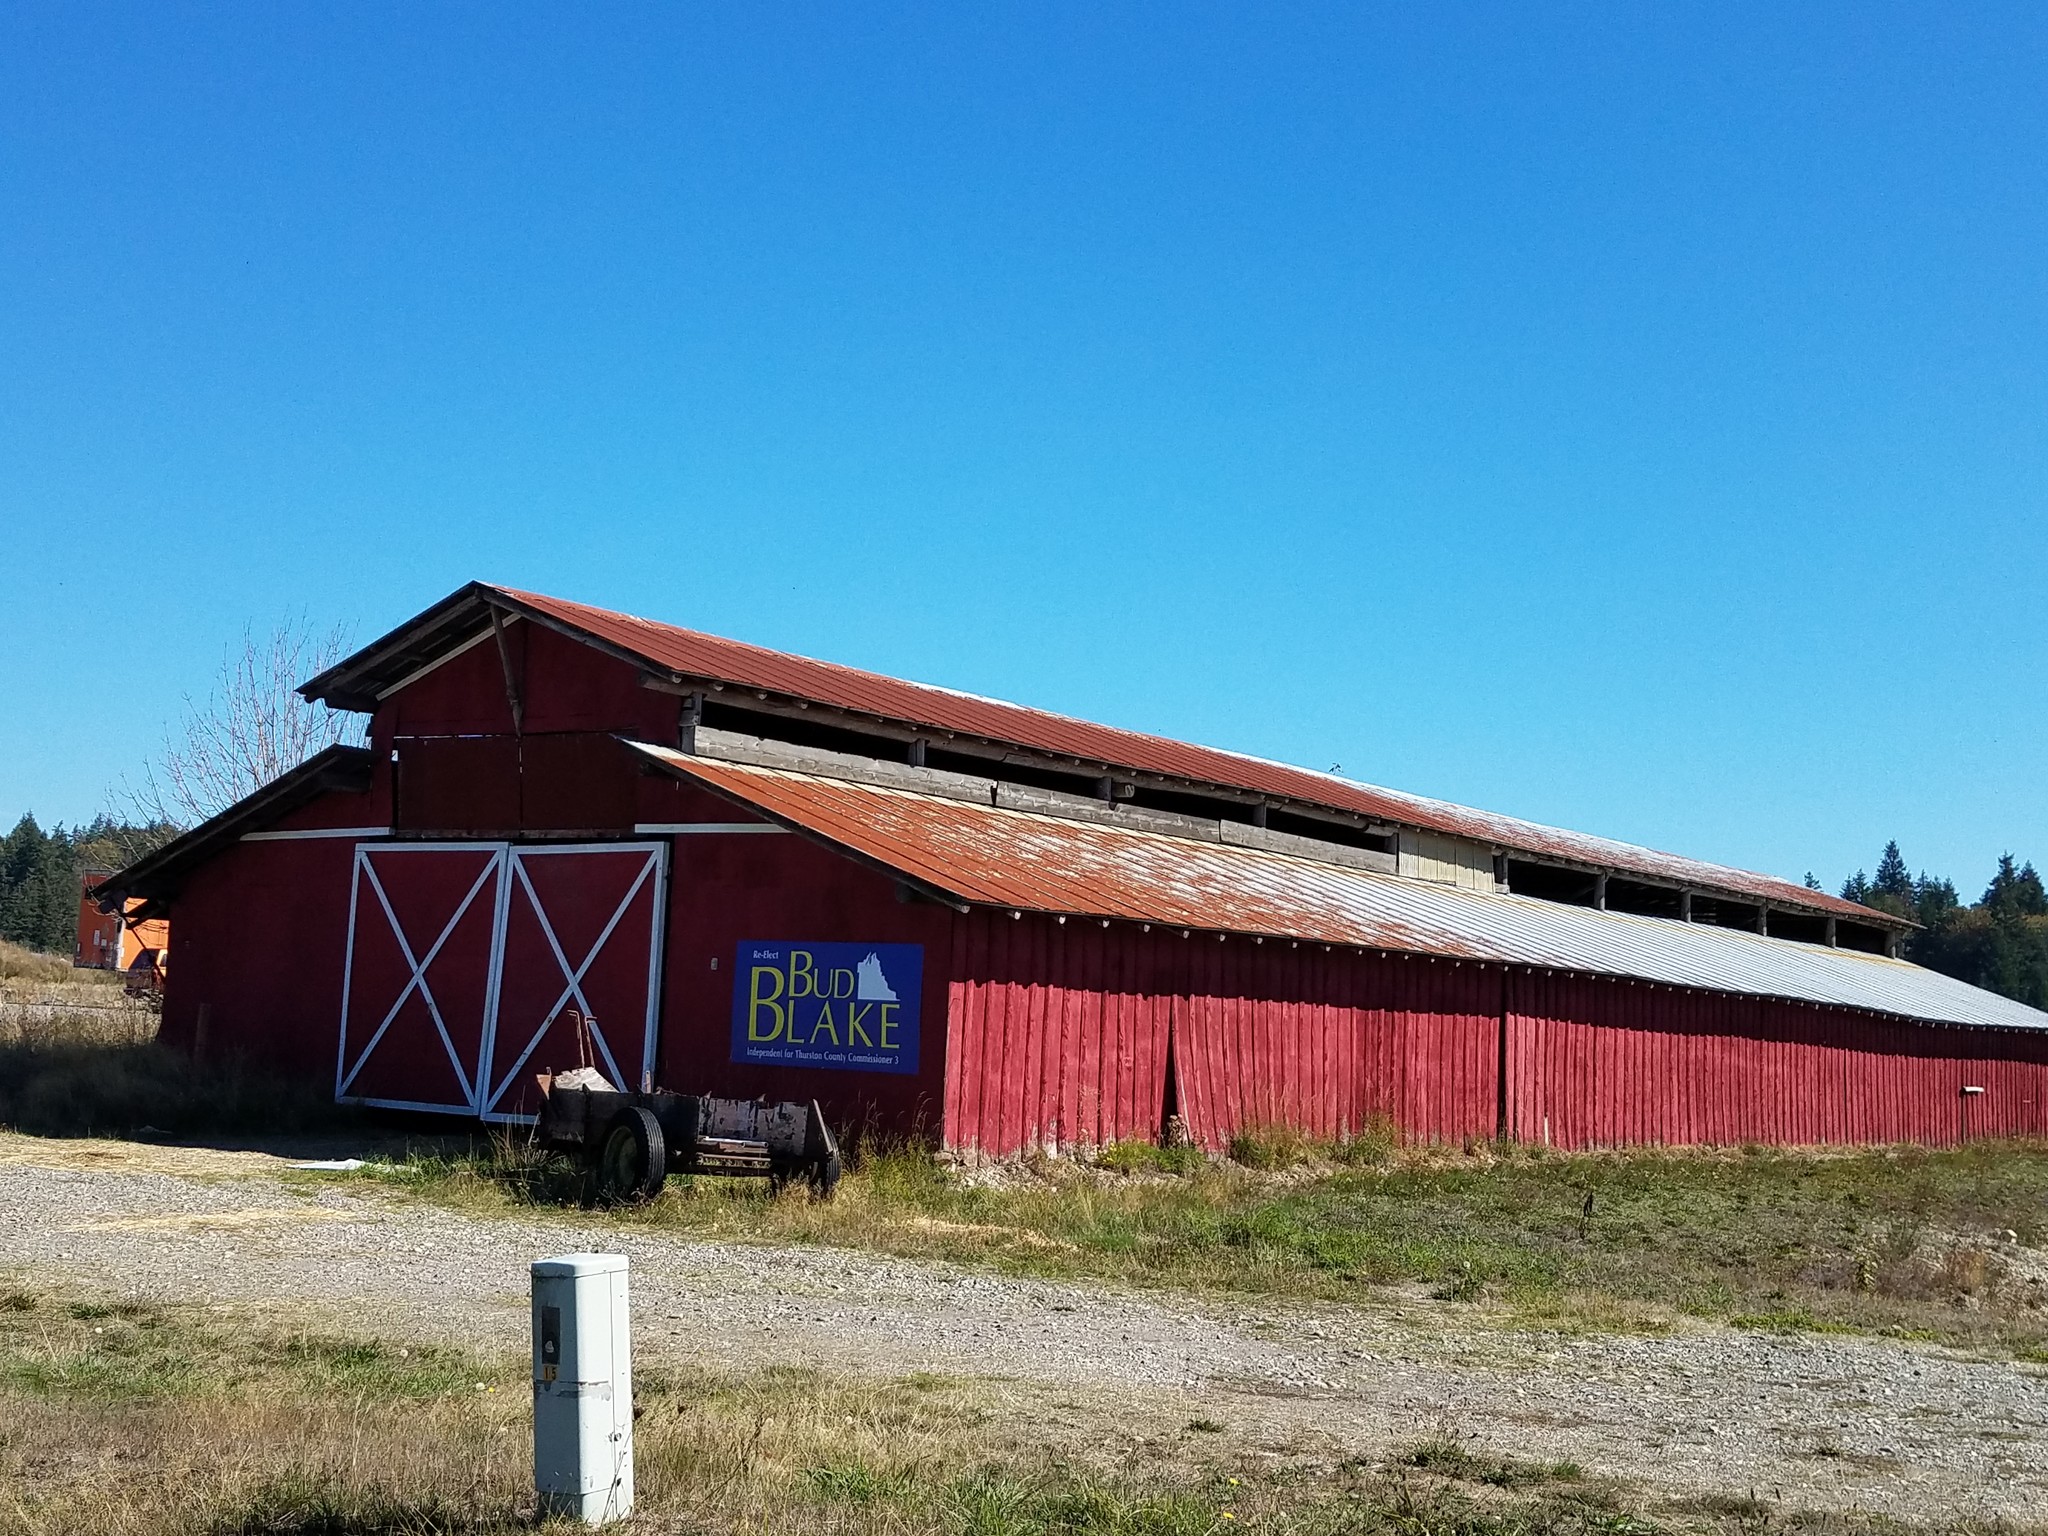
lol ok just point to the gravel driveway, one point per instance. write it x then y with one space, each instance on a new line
1823 1421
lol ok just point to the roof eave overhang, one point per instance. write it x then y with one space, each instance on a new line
156 878
676 764
358 683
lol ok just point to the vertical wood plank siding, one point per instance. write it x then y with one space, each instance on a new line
1061 1035
1602 1063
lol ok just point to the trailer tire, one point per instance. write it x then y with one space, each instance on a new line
825 1177
632 1160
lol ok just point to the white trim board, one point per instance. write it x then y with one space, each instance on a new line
312 832
701 828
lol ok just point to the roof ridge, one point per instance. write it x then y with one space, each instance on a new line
683 652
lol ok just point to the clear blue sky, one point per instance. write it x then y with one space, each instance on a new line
1632 417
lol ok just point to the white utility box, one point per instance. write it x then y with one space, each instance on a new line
582 1387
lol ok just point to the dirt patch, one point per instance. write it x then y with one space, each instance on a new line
210 1221
105 1155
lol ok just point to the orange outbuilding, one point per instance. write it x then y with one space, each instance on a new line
114 941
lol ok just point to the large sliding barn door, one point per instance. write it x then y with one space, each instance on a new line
581 951
473 966
423 930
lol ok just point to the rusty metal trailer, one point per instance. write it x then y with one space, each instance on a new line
632 1142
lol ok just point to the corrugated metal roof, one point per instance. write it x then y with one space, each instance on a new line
691 654
1028 862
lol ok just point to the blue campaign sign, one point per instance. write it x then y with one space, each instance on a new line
852 1007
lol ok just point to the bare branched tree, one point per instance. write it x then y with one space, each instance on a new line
251 728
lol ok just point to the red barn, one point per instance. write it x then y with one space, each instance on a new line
718 868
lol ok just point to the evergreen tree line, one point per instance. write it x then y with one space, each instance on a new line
39 874
2000 943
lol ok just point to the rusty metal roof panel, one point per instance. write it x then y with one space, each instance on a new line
1024 861
692 654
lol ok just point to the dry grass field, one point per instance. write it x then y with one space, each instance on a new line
76 1059
28 974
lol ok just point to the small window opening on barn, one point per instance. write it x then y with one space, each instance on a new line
1548 882
823 734
1078 781
1867 937
1346 834
1719 912
1206 807
1799 927
1642 899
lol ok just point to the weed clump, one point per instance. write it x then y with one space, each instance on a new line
1273 1147
1149 1157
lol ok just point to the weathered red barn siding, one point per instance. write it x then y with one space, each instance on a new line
726 889
563 684
463 767
261 940
1062 1034
1595 1062
1057 1035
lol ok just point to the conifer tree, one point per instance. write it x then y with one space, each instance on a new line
39 875
1893 878
2015 892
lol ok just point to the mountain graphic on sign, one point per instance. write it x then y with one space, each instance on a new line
870 985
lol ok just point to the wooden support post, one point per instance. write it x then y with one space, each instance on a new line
512 699
1685 906
1834 942
1763 919
917 749
1600 893
688 719
1259 814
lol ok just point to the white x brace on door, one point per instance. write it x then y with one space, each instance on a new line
473 966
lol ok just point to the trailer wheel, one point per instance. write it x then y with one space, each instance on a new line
825 1177
632 1161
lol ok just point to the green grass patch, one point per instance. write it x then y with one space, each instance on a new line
1149 1157
1449 1457
122 1350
